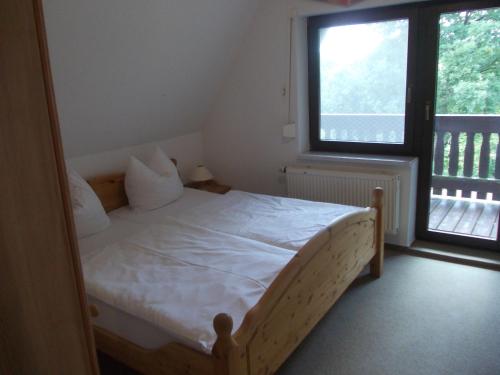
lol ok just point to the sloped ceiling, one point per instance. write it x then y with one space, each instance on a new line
128 72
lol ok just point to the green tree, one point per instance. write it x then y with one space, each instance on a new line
469 63
468 71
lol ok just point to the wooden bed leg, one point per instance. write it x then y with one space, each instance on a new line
377 263
225 350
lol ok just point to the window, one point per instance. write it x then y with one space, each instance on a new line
360 81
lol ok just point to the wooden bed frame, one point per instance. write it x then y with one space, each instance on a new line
296 300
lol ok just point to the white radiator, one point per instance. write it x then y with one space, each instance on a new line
343 187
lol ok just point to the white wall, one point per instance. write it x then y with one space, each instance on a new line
128 72
243 135
187 149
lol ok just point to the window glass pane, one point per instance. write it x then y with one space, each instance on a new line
363 82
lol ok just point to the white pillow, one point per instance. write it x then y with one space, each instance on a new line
88 212
152 186
161 164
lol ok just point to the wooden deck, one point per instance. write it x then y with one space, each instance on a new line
464 217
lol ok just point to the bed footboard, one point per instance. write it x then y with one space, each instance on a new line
302 293
377 263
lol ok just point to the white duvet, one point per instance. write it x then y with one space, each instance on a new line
178 266
283 222
179 276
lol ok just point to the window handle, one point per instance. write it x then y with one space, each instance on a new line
409 94
427 110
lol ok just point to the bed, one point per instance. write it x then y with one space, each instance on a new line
295 272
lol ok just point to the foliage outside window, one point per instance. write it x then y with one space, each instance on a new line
469 75
469 63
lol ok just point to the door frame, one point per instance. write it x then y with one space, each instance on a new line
427 60
43 307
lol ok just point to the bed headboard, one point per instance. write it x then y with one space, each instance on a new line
111 190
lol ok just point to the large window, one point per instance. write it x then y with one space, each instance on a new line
360 81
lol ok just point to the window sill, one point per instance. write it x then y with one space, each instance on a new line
393 161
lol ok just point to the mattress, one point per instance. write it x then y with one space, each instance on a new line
251 223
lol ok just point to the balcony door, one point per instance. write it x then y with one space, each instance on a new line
460 153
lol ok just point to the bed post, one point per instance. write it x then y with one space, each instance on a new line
377 263
225 349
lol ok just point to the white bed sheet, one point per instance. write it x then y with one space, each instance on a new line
130 327
283 222
250 217
126 221
190 199
178 277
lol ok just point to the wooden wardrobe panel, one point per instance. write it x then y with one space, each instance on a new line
44 327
